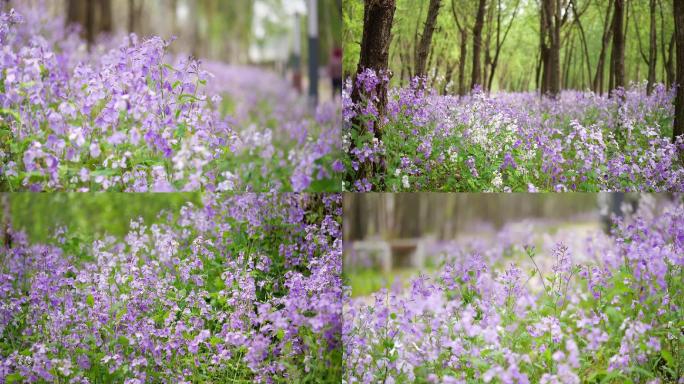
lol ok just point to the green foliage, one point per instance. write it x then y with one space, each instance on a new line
520 52
90 214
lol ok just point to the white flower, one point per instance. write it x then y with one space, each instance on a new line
497 181
228 184
397 172
405 181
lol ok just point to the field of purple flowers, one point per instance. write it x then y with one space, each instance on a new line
245 288
511 141
530 309
127 116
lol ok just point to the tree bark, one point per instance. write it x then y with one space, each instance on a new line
607 35
583 41
500 41
678 11
463 29
375 42
105 24
462 61
669 67
426 37
550 47
618 54
652 54
477 44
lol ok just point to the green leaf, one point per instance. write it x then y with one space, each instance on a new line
14 378
215 340
90 300
667 356
10 112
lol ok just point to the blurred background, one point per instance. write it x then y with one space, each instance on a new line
88 215
389 238
280 35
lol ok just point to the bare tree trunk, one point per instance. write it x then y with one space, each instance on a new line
426 37
462 61
477 44
678 11
487 43
105 16
669 67
448 75
550 47
618 54
500 41
377 28
568 61
652 54
131 16
607 34
583 41
463 29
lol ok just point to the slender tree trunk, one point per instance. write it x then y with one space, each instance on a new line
477 44
487 51
500 41
105 16
583 41
618 54
678 11
669 67
448 75
131 16
375 43
462 61
607 34
426 37
652 54
463 29
568 62
550 50
554 54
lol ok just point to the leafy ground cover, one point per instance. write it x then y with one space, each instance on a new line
243 288
511 141
551 308
127 116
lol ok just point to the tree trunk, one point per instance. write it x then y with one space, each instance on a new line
463 29
105 16
462 61
678 128
487 43
618 54
131 16
426 37
550 47
500 41
607 34
583 41
375 42
477 44
652 54
669 67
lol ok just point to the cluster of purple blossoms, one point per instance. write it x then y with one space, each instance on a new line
600 307
126 116
246 287
516 141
